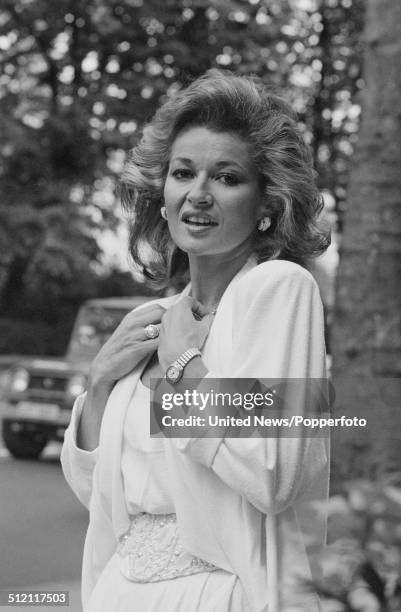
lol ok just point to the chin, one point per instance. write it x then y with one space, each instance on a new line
196 247
205 247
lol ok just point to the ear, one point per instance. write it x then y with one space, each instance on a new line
264 210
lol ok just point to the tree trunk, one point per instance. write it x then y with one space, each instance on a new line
366 334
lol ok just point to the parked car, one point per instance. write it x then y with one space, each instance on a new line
40 391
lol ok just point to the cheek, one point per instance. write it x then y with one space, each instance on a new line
242 217
172 197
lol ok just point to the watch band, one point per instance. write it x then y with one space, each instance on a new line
175 370
186 357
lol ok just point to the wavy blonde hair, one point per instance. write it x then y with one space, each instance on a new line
242 105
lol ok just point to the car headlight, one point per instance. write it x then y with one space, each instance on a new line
87 335
5 379
19 380
76 385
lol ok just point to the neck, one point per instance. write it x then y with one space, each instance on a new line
210 276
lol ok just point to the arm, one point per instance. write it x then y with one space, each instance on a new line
279 334
78 464
88 428
127 346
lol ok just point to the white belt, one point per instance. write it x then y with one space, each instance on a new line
150 550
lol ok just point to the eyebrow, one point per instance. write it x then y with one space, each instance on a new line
220 164
185 160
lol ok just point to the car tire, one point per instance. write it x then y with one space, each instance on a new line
23 444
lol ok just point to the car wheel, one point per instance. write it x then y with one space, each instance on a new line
23 444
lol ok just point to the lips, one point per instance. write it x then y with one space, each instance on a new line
198 219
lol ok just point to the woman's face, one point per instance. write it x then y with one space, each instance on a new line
212 193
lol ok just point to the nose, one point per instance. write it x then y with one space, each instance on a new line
199 194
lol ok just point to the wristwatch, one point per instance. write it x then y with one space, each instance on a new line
175 370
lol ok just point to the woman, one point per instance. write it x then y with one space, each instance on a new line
221 190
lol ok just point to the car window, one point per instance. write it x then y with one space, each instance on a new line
94 325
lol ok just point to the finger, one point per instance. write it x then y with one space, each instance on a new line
151 344
185 302
182 307
151 331
207 322
204 329
199 309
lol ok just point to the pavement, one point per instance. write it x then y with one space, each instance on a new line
42 527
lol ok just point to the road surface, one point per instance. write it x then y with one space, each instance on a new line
42 529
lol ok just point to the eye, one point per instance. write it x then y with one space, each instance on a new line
181 173
228 179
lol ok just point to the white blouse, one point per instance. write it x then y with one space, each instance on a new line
143 461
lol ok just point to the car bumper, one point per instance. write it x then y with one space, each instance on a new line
36 412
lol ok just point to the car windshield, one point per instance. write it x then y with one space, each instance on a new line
93 327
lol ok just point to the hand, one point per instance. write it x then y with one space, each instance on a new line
126 347
180 330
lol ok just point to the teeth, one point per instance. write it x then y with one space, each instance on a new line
199 220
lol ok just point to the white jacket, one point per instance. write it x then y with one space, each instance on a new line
255 507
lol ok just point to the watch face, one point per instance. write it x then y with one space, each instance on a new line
173 373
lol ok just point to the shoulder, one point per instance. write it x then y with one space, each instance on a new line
274 288
275 273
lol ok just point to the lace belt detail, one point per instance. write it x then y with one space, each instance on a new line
151 551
